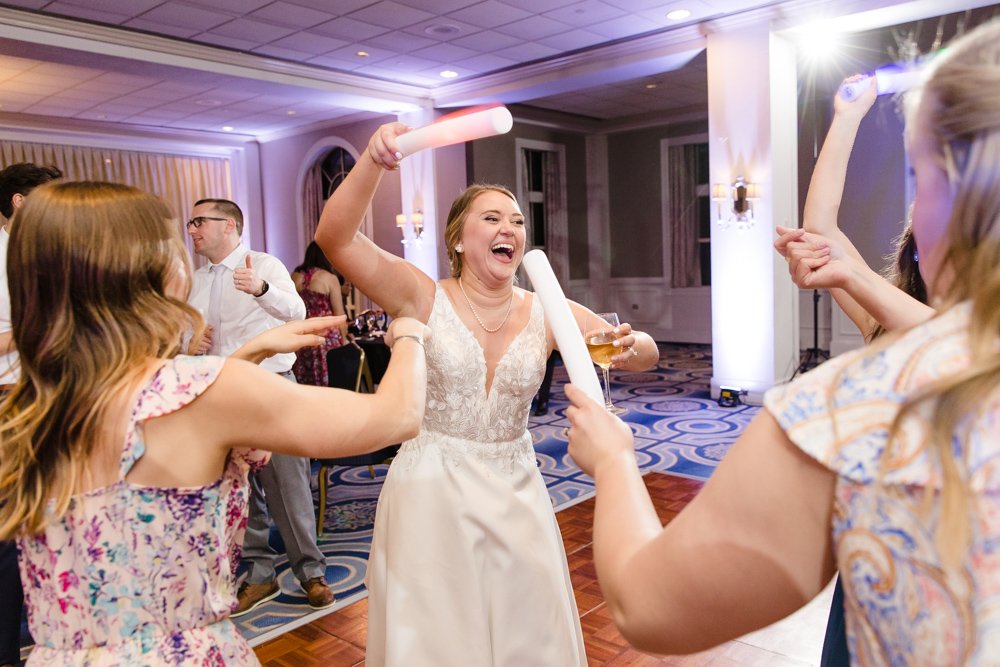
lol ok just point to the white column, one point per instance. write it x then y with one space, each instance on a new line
752 133
418 191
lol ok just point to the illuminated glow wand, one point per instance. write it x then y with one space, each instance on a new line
889 79
572 347
457 128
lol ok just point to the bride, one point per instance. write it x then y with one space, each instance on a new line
467 564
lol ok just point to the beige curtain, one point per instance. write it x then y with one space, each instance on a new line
553 194
312 201
180 180
682 184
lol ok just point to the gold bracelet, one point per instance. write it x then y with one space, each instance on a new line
396 339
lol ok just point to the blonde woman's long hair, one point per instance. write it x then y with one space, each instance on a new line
89 304
963 112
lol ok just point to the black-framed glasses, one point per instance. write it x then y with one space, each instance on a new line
200 220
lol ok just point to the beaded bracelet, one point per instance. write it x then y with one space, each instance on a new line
396 339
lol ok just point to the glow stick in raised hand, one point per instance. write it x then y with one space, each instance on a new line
889 79
572 348
454 129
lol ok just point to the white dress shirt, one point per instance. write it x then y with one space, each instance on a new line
9 372
244 316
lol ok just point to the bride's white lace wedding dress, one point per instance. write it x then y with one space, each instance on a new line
467 566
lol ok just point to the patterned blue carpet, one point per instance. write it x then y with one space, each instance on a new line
678 430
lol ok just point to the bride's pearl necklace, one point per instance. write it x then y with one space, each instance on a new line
476 315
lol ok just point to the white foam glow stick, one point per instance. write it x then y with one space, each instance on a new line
572 348
890 78
448 131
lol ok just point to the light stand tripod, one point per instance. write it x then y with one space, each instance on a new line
813 356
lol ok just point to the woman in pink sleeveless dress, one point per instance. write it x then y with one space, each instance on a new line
319 288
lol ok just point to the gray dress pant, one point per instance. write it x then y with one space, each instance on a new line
282 489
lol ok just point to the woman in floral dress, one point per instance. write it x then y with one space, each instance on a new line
123 463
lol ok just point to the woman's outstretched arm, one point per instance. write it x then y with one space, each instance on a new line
826 190
250 408
753 546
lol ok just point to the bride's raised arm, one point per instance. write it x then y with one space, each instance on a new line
399 287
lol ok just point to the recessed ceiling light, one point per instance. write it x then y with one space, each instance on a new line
227 128
650 86
291 112
442 29
362 54
678 14
449 74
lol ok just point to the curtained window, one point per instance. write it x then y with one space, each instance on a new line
544 204
325 176
689 215
180 180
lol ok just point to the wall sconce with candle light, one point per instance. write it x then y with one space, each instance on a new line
742 193
416 222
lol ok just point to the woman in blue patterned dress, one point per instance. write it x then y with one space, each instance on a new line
884 463
123 463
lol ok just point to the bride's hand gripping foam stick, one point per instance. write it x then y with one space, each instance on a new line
572 348
458 128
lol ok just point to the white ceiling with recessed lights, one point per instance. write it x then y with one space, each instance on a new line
263 67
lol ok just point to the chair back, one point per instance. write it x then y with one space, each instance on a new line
345 366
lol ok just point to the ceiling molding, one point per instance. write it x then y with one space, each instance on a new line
657 119
329 124
652 54
862 15
559 120
123 136
353 91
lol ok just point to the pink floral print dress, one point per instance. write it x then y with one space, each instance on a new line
310 362
137 575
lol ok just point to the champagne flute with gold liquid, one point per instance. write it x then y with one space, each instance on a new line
600 339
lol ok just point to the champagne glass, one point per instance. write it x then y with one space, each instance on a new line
600 344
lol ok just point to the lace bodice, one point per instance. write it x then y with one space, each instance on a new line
457 403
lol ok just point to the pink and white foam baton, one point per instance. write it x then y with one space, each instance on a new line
454 129
572 348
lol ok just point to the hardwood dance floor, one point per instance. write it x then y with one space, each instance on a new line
338 639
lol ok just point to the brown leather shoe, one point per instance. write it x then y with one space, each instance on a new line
251 596
319 594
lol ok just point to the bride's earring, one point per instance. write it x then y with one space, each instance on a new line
459 248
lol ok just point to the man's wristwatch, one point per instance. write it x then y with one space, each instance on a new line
263 290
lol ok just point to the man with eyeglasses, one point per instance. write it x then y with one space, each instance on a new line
16 181
243 293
